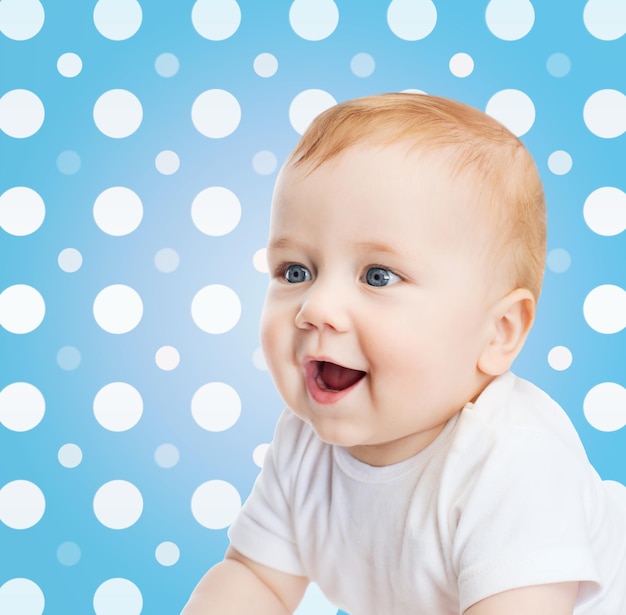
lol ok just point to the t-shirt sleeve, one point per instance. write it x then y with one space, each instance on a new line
263 530
522 518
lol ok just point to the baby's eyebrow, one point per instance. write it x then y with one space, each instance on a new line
374 246
280 242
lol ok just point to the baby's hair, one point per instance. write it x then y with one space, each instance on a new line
504 173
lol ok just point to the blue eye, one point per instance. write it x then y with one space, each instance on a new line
379 276
294 274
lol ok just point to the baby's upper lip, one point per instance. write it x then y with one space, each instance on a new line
324 359
331 375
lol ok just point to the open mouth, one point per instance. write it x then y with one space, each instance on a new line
332 377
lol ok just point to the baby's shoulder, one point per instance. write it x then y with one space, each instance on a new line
512 411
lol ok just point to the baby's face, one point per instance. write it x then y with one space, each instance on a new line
379 300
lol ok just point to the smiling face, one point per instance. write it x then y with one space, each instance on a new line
381 298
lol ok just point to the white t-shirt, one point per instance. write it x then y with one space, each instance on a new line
504 497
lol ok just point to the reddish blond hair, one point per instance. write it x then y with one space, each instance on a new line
502 168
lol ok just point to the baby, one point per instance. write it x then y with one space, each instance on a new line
412 472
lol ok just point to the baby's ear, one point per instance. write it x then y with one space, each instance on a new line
512 318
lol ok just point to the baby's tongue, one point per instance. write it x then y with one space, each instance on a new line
338 378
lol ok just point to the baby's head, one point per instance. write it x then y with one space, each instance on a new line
406 253
508 193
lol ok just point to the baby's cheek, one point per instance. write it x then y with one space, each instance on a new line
274 336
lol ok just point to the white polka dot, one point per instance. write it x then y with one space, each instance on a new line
70 455
166 260
265 65
216 113
412 20
21 113
514 109
215 504
259 260
68 553
258 359
605 406
362 65
118 113
167 162
118 504
560 162
22 308
264 162
167 358
166 65
68 162
118 597
605 19
216 406
258 455
461 65
118 211
306 106
216 20
22 406
560 358
510 20
118 308
22 504
21 597
605 309
117 20
166 456
216 308
558 260
69 65
559 65
118 406
313 20
605 113
167 553
605 211
21 19
68 358
70 260
216 211
22 211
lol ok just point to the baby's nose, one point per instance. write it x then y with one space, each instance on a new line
323 307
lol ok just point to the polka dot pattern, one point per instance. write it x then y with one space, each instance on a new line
510 20
313 20
22 504
216 113
215 504
117 20
118 113
412 20
21 113
22 308
21 20
216 20
118 406
22 406
118 504
137 177
22 211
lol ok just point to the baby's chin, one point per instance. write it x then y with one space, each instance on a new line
335 431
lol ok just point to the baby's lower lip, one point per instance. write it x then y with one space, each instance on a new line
319 394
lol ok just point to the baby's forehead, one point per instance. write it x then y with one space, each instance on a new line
384 167
386 182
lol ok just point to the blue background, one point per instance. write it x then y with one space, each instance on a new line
166 27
